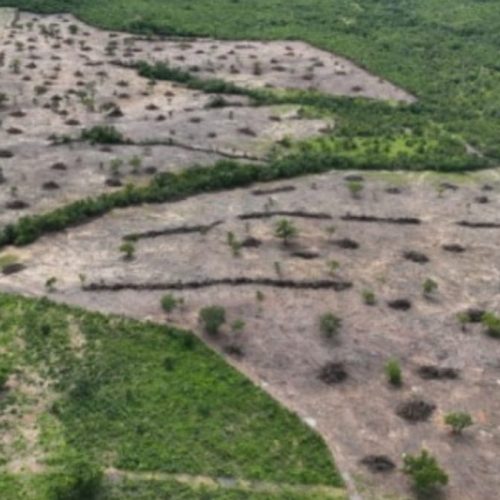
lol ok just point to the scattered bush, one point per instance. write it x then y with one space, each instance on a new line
393 372
355 188
168 303
492 323
329 325
429 286
233 243
212 318
237 326
128 250
425 472
369 297
458 421
50 284
285 230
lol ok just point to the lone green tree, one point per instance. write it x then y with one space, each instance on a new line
425 472
458 421
212 318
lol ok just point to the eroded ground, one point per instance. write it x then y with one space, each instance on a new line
281 347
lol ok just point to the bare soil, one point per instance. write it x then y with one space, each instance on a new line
281 347
58 84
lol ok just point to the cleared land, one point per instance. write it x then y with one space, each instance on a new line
392 236
54 90
405 265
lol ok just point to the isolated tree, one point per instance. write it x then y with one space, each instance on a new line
458 421
212 318
425 472
286 231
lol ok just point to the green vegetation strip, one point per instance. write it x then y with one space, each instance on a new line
169 187
110 392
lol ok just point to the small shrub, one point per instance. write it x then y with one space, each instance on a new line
333 266
329 325
212 318
128 250
50 284
237 326
286 231
429 286
355 188
393 372
425 472
168 303
492 323
458 421
234 244
369 297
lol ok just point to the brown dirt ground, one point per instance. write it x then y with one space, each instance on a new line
59 89
283 349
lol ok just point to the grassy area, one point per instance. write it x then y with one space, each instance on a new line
110 392
445 52
43 486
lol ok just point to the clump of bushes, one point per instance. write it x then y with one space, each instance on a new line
212 318
162 71
103 134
